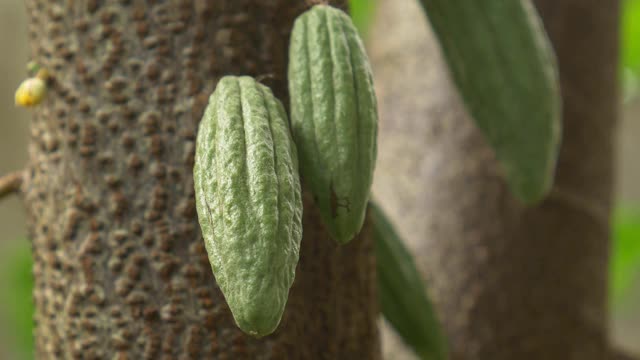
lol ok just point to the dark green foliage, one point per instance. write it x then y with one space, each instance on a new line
402 296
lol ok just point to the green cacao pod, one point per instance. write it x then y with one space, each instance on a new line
502 63
333 116
402 296
248 200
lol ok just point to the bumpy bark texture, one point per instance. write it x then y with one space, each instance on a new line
509 282
120 266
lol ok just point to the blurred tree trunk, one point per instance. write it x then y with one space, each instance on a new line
509 282
120 268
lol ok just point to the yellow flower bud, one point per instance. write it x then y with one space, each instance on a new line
31 92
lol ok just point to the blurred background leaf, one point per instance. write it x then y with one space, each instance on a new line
625 259
362 12
403 298
16 283
630 47
631 35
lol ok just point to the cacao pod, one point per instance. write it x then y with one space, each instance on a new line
248 200
504 67
333 116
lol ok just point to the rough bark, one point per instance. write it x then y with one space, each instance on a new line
509 282
120 267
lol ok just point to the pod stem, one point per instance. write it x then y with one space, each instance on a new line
10 183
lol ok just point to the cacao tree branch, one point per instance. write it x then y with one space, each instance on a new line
10 183
617 354
111 208
575 202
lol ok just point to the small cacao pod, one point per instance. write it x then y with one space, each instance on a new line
333 116
248 200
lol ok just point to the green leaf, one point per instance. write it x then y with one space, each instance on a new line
631 35
625 256
630 48
503 65
16 284
402 296
362 12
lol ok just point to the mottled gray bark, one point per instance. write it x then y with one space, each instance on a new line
120 268
509 282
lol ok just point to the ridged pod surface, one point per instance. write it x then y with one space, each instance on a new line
503 65
333 116
248 200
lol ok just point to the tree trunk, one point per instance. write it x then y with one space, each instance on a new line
509 282
120 267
